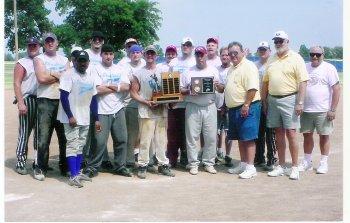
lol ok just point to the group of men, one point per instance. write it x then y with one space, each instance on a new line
254 103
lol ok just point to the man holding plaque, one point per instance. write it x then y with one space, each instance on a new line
198 85
242 98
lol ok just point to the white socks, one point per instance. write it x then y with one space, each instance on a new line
308 158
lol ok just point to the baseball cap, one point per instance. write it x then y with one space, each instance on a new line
264 44
200 49
130 40
32 40
150 48
135 48
280 34
75 50
98 34
171 48
187 39
82 55
107 48
213 39
49 35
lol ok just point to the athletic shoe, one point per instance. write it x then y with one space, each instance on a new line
21 170
75 182
141 173
210 169
38 174
323 168
278 171
82 176
237 170
164 170
151 169
305 166
194 170
219 159
228 161
294 174
90 173
123 172
247 174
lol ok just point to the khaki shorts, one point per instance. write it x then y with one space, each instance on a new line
311 120
281 113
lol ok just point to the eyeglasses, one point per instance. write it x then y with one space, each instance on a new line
318 55
280 41
233 53
187 44
97 39
32 45
151 53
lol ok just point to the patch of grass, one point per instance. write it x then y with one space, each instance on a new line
8 84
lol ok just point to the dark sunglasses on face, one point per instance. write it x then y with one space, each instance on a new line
151 53
318 55
233 53
280 41
32 45
97 38
187 44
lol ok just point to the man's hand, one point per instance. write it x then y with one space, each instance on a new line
73 122
98 126
22 109
245 111
330 115
299 109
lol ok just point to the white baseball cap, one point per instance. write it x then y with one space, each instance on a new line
280 34
264 44
76 48
187 39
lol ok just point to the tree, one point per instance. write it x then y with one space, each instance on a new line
304 51
31 21
338 52
117 19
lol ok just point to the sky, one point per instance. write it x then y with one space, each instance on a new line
309 22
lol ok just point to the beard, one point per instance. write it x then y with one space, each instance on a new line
282 49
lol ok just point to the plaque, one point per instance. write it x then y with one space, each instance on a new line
169 92
202 85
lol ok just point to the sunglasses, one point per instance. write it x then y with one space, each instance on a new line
280 41
318 55
233 53
32 45
151 53
187 44
97 39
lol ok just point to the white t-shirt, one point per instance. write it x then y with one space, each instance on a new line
29 83
261 69
81 88
318 95
126 60
147 86
130 70
163 67
219 100
200 99
95 58
109 103
215 62
56 63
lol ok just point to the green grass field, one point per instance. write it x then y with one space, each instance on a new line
10 65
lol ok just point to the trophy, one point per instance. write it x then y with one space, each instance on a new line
169 92
202 85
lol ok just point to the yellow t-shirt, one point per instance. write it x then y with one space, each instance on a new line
284 74
241 78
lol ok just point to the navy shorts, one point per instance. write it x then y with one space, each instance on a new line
247 128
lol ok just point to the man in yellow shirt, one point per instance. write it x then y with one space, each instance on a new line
242 98
283 92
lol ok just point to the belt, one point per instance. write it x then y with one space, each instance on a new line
240 106
283 96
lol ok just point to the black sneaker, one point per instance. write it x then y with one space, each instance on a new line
107 165
151 169
141 173
123 172
90 173
228 161
165 171
21 170
259 163
38 174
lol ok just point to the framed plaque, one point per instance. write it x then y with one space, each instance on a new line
170 90
202 85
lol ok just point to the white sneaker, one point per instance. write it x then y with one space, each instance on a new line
277 171
294 175
305 166
323 168
247 174
194 170
237 170
210 169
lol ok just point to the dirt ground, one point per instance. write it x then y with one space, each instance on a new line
205 197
